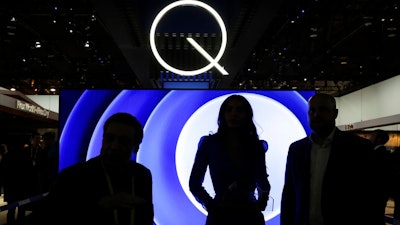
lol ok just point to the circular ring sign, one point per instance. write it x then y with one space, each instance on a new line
213 61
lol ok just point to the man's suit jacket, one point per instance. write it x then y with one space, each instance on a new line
78 189
348 187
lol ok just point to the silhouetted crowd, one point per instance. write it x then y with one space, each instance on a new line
27 170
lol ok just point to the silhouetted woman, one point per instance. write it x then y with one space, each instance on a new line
236 160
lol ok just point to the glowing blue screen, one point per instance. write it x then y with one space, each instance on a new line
174 121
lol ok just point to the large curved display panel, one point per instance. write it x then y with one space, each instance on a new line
174 121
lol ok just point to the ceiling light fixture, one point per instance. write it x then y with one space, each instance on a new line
37 44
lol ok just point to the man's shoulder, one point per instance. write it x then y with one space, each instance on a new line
73 173
72 169
141 171
80 167
351 137
299 146
301 142
139 167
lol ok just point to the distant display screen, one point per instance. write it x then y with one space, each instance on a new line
174 121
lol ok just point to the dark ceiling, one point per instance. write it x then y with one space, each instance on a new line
332 46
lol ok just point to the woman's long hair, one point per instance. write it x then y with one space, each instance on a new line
249 127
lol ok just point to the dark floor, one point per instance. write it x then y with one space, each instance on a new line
389 212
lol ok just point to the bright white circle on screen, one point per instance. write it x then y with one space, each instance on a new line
275 123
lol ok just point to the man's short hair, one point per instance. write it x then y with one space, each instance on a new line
127 119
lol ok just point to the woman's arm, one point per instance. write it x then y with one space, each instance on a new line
197 175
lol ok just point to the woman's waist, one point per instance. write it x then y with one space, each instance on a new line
236 197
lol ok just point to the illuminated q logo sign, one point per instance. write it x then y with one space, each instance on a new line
213 61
